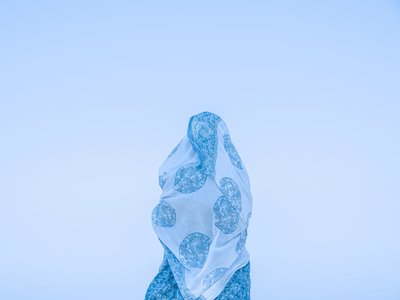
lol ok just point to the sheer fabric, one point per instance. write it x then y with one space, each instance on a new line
202 217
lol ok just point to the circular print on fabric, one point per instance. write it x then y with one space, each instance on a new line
163 215
162 179
231 150
193 250
202 129
241 242
231 191
225 215
213 277
189 179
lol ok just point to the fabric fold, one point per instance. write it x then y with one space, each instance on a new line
204 210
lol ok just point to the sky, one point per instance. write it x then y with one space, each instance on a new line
95 94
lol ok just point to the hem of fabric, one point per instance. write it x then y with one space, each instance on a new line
218 289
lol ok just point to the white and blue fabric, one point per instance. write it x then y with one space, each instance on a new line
202 217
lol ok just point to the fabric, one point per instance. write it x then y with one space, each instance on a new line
202 217
164 286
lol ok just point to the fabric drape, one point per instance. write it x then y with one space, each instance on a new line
202 216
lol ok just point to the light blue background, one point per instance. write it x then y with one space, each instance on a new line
94 95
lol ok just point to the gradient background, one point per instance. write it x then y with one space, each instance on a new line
94 95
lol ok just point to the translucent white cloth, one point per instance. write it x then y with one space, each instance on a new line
204 209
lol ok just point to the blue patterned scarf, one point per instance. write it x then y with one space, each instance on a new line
202 217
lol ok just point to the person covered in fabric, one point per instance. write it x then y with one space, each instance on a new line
202 217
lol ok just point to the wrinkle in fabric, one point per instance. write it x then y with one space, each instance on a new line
202 217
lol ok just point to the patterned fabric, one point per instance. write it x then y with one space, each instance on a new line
238 287
202 217
164 286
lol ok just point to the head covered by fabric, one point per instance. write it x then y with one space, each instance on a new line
204 209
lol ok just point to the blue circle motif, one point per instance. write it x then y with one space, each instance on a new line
202 129
241 242
189 179
162 179
193 250
225 215
231 150
202 133
164 214
213 277
231 191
